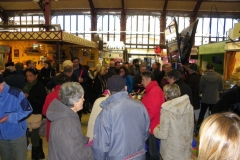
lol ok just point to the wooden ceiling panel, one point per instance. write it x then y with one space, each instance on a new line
107 4
181 5
19 5
143 4
221 6
70 4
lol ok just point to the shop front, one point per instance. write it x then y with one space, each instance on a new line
225 57
48 45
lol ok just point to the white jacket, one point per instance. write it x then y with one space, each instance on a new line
176 129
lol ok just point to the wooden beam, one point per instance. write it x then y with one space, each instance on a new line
93 18
163 22
3 15
165 7
195 11
123 24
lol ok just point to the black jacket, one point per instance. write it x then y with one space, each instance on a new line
193 81
185 89
227 100
36 97
16 79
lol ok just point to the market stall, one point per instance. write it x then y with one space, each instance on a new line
54 45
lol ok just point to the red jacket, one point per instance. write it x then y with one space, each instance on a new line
50 97
153 100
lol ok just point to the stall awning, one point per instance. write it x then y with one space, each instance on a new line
47 37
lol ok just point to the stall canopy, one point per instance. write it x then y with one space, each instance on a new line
47 37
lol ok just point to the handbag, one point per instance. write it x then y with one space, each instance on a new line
34 121
43 128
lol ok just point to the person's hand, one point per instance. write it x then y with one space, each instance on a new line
26 95
80 80
140 85
4 119
90 140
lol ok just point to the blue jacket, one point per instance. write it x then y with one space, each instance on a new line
121 129
14 104
129 83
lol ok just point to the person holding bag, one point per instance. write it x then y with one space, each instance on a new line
35 92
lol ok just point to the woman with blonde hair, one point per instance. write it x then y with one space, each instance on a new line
100 82
176 125
220 137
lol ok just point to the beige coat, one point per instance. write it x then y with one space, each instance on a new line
176 129
95 111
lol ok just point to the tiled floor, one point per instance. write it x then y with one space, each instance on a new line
45 144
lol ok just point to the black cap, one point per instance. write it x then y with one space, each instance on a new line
9 64
115 83
1 78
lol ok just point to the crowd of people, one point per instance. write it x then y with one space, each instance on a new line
159 125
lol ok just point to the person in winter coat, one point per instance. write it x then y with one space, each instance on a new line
211 84
228 101
176 125
47 72
66 140
193 81
175 76
60 79
35 92
94 113
100 83
14 109
127 78
121 128
152 100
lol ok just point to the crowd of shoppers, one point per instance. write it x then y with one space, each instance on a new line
158 126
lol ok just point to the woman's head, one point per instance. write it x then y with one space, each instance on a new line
31 74
173 75
171 91
71 94
102 70
123 71
220 137
47 64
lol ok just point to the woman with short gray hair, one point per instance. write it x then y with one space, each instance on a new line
70 92
176 125
66 140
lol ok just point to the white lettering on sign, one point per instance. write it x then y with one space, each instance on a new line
115 46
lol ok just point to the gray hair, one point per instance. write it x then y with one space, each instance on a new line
171 91
70 92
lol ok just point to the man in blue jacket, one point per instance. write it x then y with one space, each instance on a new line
14 109
122 127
